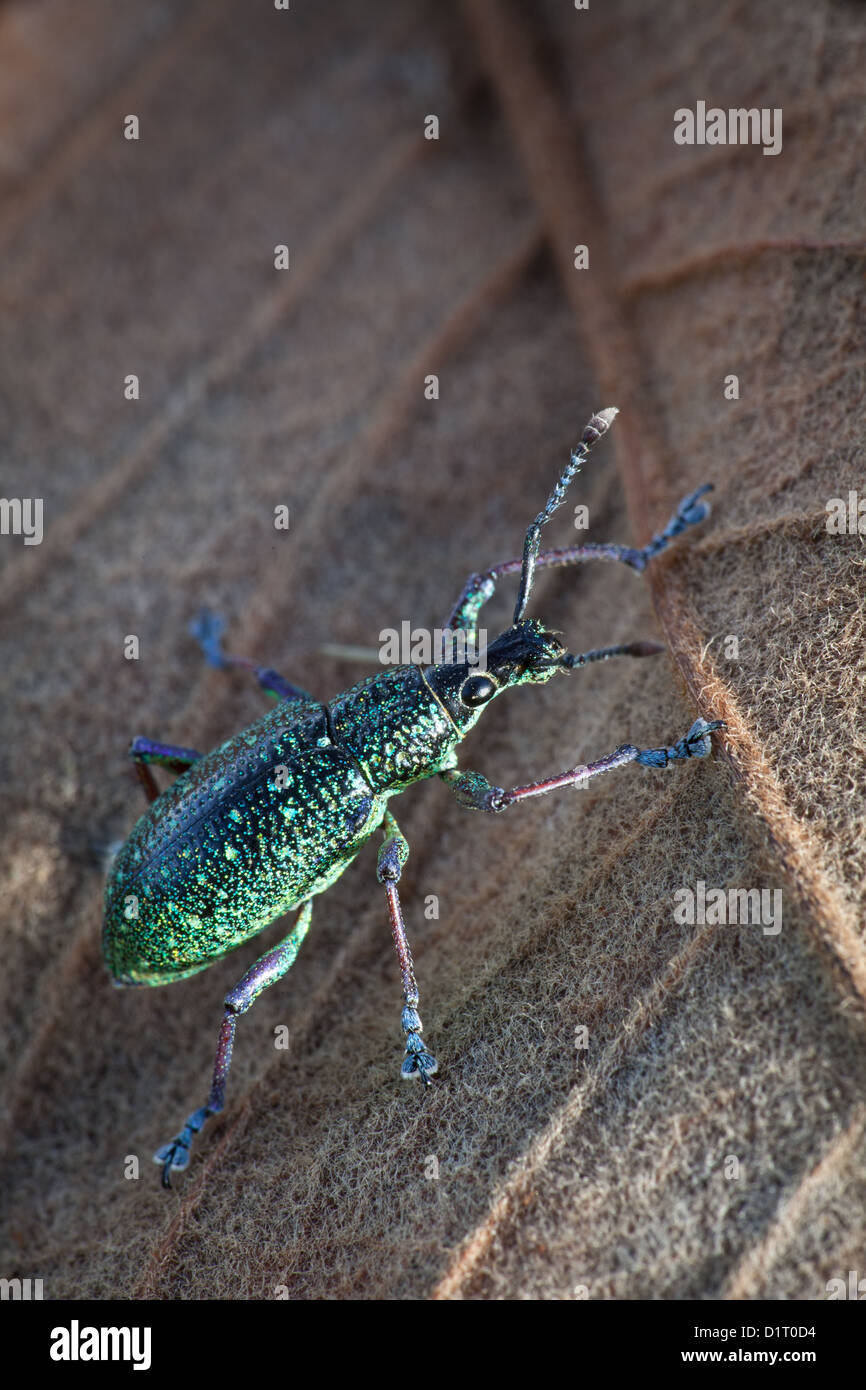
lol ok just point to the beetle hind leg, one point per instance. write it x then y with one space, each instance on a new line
392 856
174 1156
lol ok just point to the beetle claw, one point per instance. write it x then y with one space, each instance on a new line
172 1155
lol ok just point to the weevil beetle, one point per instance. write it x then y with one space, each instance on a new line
272 818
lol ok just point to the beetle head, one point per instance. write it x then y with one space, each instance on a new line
524 653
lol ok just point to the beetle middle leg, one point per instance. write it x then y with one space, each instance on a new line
392 856
207 629
144 752
269 968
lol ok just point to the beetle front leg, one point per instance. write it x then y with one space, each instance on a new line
473 790
392 856
267 970
481 587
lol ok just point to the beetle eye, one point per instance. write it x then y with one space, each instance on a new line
477 691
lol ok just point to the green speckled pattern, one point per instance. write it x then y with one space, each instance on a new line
396 728
269 819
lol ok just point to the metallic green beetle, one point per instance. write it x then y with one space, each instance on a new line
274 816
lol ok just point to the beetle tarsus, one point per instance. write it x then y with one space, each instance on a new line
695 744
168 1157
207 629
175 1154
421 1064
690 512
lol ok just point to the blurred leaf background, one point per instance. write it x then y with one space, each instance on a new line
560 1169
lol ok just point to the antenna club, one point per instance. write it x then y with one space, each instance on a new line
599 425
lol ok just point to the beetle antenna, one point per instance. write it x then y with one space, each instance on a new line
598 425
